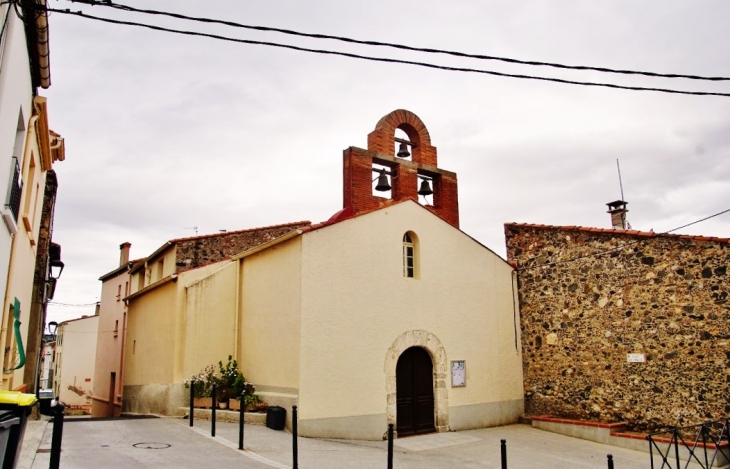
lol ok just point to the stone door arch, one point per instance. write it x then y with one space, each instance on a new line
435 349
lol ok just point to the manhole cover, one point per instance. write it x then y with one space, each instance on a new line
151 445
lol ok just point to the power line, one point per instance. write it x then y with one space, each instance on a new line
381 59
54 303
625 245
119 6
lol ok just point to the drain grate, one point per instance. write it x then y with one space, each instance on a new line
151 445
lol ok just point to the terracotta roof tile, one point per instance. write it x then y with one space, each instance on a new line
248 230
646 234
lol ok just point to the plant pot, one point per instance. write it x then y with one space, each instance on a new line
250 408
234 404
203 402
223 405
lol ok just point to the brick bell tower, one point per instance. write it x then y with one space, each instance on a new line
404 172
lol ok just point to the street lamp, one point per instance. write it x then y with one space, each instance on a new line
56 267
52 327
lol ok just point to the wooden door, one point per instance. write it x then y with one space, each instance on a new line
414 392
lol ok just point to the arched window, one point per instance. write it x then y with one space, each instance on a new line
410 254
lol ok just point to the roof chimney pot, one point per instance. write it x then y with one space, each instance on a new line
124 253
618 212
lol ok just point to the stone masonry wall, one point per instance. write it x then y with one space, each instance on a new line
203 250
662 296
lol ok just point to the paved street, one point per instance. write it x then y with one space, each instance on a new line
170 443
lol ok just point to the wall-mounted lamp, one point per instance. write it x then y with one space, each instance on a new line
52 327
56 269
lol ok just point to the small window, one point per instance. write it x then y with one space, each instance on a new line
160 269
119 292
409 255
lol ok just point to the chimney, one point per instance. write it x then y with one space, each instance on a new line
124 253
618 212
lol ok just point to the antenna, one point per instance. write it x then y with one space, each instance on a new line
196 227
621 184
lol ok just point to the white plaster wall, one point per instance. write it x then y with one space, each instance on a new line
356 303
77 360
16 93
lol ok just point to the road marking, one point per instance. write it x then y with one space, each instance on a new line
246 452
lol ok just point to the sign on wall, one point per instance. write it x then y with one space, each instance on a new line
458 373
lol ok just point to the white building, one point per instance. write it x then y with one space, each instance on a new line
73 379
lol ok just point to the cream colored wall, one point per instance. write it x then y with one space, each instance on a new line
150 271
270 321
356 303
209 313
23 256
76 365
149 355
109 347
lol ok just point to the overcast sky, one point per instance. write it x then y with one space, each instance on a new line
166 132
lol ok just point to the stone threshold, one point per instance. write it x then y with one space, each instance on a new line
614 434
252 418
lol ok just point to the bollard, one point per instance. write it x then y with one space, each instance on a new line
192 401
390 446
57 436
240 420
212 412
503 447
610 461
295 450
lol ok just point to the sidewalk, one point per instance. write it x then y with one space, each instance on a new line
171 443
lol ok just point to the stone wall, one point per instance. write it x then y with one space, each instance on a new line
204 250
662 296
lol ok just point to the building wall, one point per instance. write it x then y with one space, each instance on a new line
112 322
270 319
359 313
23 258
664 297
158 327
76 361
16 94
209 311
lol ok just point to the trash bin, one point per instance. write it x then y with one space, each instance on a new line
8 419
276 417
19 405
45 397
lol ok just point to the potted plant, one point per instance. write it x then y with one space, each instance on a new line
202 387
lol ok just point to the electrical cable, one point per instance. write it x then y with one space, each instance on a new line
54 303
608 251
119 6
381 59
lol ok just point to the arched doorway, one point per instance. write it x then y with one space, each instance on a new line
414 392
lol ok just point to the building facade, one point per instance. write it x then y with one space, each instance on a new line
73 378
386 313
621 325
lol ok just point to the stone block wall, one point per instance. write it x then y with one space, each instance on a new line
661 296
203 250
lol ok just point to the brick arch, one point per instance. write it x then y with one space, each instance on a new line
432 344
381 139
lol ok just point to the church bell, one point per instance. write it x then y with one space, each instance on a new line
403 151
425 188
382 185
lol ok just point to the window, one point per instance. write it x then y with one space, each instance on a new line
410 253
16 188
119 292
116 327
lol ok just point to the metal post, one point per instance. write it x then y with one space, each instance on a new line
57 436
295 450
192 401
212 412
240 420
503 448
390 446
610 461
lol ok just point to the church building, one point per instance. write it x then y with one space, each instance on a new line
385 313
